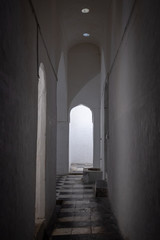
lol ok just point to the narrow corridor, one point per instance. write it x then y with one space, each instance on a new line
57 56
82 216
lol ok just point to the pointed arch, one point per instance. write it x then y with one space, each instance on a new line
80 136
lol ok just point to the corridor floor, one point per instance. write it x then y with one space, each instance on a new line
82 216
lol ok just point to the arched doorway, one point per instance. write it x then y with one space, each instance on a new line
41 148
80 139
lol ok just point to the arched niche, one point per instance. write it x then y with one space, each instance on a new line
41 148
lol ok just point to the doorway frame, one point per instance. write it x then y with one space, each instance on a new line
69 132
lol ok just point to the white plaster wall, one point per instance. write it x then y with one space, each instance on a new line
62 90
62 147
62 165
102 132
117 14
102 135
89 94
134 146
18 117
46 13
41 147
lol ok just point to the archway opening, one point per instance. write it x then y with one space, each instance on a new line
80 139
41 148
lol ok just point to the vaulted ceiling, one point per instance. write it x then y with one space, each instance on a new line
74 23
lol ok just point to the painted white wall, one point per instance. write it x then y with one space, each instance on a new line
102 111
62 113
62 165
41 147
81 135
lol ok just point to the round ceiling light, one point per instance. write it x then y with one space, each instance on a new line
85 10
86 34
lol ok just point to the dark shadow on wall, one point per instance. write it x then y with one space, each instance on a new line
83 66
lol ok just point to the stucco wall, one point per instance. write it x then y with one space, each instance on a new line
62 117
134 146
18 119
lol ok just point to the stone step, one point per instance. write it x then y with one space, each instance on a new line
101 188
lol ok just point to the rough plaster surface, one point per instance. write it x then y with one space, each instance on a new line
134 146
51 133
62 143
47 15
83 66
18 119
62 118
41 146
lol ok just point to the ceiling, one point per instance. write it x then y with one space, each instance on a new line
74 23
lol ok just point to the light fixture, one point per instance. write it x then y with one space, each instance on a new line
85 10
86 34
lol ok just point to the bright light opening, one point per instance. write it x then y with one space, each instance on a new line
85 10
80 137
86 34
41 149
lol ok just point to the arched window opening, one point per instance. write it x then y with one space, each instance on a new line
80 139
41 148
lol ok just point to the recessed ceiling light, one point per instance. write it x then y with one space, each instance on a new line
85 10
86 34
